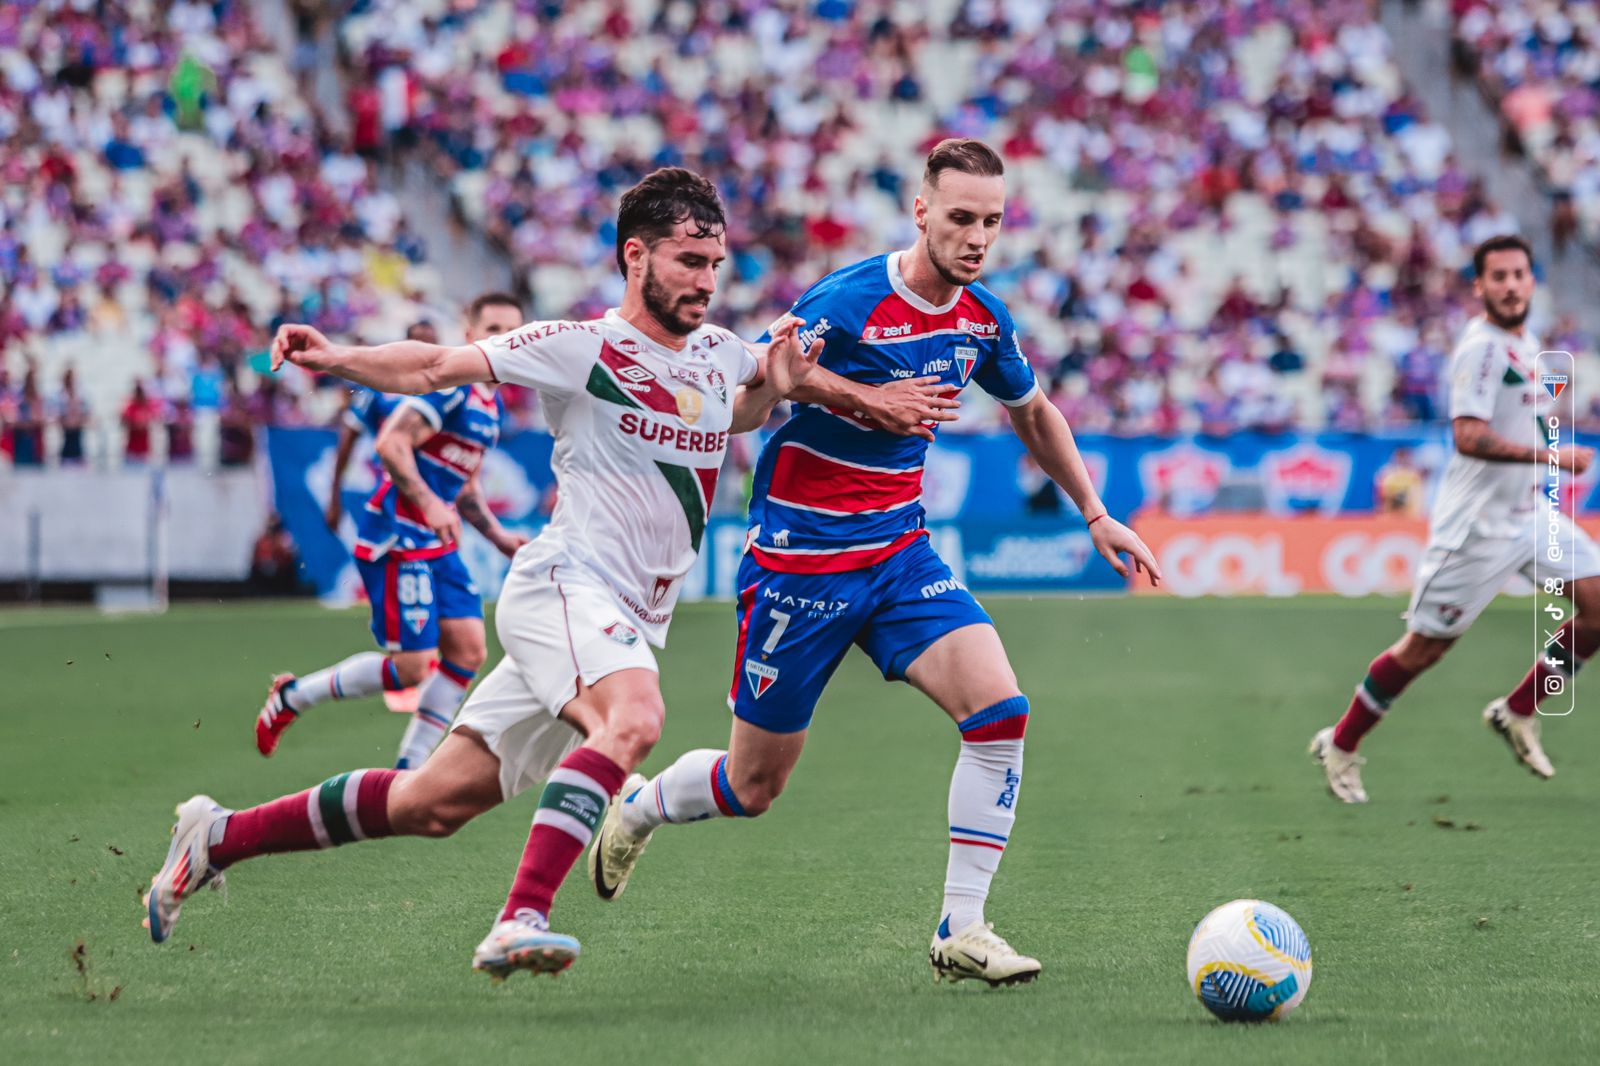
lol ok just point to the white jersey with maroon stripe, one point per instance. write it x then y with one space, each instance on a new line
1492 378
640 435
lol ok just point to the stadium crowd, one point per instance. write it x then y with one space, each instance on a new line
1223 216
166 197
1539 61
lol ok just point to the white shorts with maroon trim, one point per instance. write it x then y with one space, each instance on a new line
1454 585
558 625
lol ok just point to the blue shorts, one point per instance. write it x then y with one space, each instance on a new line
795 628
409 597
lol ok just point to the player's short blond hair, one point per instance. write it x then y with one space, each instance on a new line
964 154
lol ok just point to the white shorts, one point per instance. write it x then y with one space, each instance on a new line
558 625
1454 585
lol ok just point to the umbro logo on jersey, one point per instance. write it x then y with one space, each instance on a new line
1554 384
635 373
761 676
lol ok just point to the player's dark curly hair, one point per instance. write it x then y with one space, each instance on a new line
1506 242
663 199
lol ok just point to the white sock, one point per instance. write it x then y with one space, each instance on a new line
437 703
360 675
983 800
693 788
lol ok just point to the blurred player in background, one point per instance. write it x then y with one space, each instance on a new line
1483 528
641 403
364 414
425 605
838 555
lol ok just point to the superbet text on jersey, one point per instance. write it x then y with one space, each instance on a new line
640 435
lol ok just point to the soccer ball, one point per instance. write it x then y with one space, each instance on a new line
1249 962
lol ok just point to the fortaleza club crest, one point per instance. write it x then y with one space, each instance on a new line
1554 384
966 359
690 403
761 676
622 633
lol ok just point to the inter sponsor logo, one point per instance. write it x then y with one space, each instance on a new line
683 440
937 366
760 676
939 588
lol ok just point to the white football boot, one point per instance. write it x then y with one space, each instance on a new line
1343 768
615 851
1522 735
524 942
188 867
978 953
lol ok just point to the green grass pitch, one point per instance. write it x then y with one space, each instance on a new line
1455 919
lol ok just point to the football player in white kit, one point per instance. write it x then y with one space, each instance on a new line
641 402
1483 528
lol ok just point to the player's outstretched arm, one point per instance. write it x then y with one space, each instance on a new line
402 434
1475 439
410 367
783 368
1043 430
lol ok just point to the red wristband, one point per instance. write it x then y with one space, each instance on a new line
1095 519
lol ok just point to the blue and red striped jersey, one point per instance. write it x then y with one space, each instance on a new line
466 423
833 492
368 408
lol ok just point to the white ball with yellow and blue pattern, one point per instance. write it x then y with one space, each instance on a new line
1249 962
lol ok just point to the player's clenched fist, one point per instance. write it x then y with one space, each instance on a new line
301 345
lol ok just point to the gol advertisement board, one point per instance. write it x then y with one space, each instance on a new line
1257 555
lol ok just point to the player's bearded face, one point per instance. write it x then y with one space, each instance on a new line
961 219
1506 287
680 275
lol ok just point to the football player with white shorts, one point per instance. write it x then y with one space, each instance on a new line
642 403
1485 527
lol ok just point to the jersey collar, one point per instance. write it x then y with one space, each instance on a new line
897 282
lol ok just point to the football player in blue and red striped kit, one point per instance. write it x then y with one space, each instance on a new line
425 605
838 555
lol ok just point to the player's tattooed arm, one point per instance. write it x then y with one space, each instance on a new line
471 505
1043 430
402 433
1474 438
411 367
